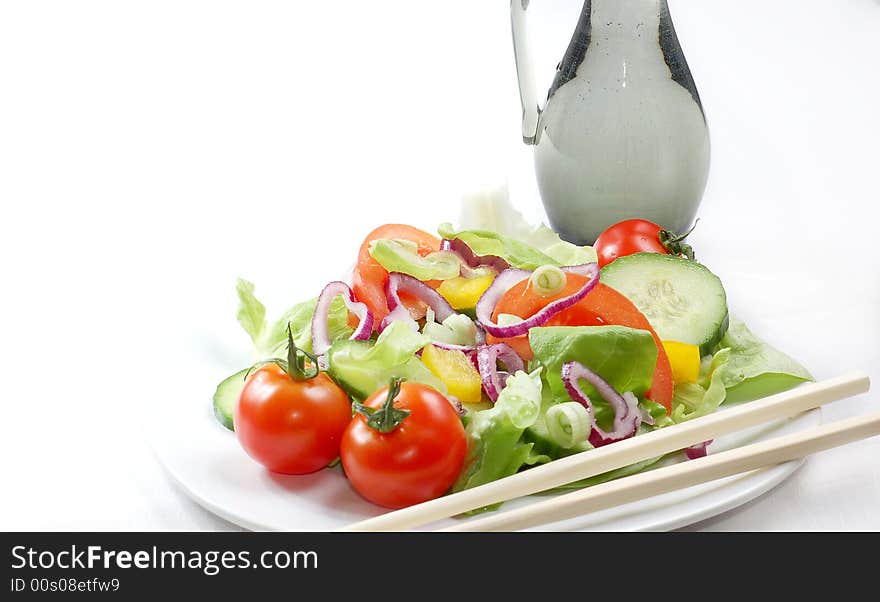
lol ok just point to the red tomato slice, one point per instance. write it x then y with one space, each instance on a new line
369 278
602 305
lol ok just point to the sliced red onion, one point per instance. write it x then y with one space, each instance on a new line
481 335
456 405
320 333
697 451
488 357
451 347
626 407
508 279
647 418
402 282
471 259
583 269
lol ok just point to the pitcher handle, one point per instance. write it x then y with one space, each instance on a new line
531 110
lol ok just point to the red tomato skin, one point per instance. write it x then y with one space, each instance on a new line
288 426
602 305
416 462
628 237
369 277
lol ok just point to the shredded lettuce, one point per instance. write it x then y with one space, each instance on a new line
457 329
496 448
364 367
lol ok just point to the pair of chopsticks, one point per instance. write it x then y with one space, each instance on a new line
636 449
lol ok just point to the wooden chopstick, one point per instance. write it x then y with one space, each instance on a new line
678 476
623 453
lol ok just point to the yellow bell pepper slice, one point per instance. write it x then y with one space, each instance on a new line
463 293
456 371
685 361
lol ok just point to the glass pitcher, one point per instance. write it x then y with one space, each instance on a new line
622 133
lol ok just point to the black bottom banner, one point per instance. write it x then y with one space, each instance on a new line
415 565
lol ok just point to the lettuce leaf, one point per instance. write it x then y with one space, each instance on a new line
743 368
692 400
402 256
486 242
756 369
364 367
270 338
251 312
566 253
491 226
625 357
495 445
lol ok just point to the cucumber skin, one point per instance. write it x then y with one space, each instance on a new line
356 390
226 397
708 346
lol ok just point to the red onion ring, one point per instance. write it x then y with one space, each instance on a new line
626 407
508 279
697 451
471 259
415 287
584 269
452 347
488 357
320 333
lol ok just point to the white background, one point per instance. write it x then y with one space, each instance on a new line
151 152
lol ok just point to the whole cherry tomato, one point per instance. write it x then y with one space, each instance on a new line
638 236
406 445
289 421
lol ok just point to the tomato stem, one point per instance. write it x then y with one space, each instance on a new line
387 418
674 243
296 360
295 364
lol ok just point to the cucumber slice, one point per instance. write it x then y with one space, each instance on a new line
348 368
681 298
226 398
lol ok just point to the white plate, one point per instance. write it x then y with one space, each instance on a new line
206 461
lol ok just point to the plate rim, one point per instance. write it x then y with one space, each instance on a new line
749 486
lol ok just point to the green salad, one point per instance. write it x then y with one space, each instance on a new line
452 360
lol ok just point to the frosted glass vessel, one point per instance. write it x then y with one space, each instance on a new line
622 132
